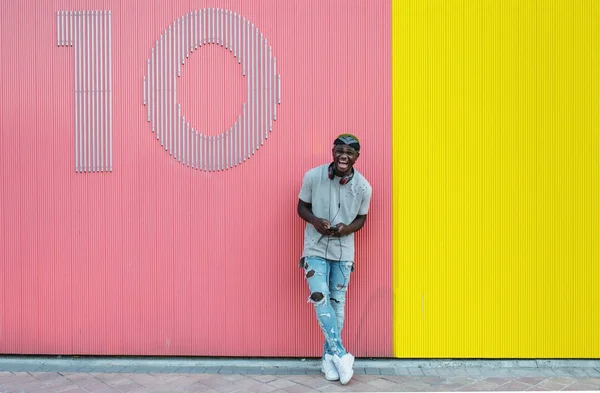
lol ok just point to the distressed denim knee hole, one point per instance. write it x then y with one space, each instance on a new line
316 296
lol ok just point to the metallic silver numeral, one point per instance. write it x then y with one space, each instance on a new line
159 89
87 32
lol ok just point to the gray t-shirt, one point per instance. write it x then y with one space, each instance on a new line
336 203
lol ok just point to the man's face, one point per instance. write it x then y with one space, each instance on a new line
344 157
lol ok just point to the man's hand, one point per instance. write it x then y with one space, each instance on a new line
343 230
322 226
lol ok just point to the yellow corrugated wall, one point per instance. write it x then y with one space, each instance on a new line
496 178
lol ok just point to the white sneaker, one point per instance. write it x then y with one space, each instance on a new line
344 366
329 369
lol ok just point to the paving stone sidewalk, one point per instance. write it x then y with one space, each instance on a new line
88 374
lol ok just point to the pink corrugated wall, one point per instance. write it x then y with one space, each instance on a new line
156 258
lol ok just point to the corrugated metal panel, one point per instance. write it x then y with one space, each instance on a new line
156 257
496 177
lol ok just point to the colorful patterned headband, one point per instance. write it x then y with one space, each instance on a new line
347 139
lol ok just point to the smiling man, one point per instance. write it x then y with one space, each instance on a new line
334 201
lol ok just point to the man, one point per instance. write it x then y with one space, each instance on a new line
334 201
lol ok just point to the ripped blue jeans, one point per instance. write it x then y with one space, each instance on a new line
328 283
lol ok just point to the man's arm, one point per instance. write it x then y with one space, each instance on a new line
305 212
